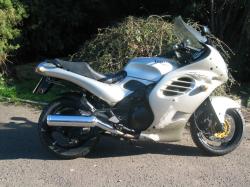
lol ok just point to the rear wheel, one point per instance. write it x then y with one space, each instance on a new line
214 141
66 142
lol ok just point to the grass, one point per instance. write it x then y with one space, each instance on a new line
21 89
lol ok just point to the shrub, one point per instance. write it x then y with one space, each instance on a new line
112 47
11 14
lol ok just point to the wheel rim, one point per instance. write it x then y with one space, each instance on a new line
65 137
220 140
68 141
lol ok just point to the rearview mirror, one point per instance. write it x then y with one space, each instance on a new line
205 30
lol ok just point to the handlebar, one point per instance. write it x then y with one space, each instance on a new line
186 53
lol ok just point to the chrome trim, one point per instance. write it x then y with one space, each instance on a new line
80 121
74 121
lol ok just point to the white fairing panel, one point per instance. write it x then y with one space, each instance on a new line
111 93
180 92
150 68
144 70
107 92
221 105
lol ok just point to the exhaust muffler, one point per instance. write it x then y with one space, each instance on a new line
80 121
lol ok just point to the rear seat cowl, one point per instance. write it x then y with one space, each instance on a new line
84 69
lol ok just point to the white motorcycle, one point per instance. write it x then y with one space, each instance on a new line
152 98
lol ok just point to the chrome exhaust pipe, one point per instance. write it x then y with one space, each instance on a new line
80 121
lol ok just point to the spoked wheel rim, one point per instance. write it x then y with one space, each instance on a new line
68 142
208 134
223 139
68 137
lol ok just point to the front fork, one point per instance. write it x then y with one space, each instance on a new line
205 117
215 107
221 105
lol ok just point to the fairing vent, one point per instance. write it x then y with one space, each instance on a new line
178 86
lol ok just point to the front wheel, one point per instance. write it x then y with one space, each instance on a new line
66 142
216 142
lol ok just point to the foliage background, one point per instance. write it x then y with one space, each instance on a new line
113 47
11 14
60 27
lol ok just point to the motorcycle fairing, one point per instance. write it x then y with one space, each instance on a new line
180 92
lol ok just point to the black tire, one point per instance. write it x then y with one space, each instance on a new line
231 145
82 148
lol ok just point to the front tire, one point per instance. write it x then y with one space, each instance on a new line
227 145
66 142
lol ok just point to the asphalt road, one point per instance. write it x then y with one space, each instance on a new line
23 161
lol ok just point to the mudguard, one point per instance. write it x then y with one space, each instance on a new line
221 105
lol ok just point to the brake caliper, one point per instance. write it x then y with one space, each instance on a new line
225 132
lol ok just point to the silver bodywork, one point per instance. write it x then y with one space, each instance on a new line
111 93
150 68
145 70
171 111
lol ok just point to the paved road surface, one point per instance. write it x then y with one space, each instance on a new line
23 162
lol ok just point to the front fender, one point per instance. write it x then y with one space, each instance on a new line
221 105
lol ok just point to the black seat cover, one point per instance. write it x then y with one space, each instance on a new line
83 68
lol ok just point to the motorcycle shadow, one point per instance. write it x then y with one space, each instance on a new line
19 140
110 147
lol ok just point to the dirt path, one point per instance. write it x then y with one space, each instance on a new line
23 162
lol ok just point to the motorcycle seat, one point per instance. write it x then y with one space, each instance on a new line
84 69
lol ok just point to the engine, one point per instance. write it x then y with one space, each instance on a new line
134 111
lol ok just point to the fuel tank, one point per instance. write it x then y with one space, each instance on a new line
150 68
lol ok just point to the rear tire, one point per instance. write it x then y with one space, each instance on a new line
227 148
82 143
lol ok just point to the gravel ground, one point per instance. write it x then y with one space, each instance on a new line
23 161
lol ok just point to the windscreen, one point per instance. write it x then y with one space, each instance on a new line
186 32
